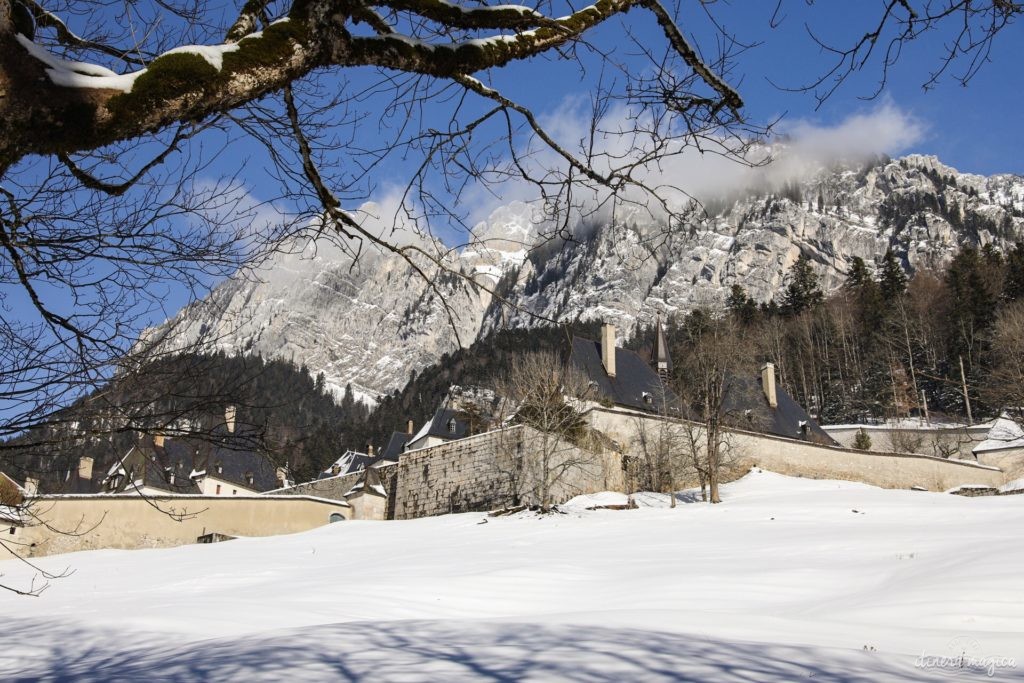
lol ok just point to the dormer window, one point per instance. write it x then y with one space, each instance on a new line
451 426
249 478
219 468
648 399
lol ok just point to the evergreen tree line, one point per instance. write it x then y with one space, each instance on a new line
888 345
281 410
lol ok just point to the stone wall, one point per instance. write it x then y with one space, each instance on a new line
132 521
803 459
1010 460
937 441
498 468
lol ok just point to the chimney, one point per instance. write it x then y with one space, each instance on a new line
369 449
768 384
408 427
229 418
31 486
282 477
158 440
608 348
85 467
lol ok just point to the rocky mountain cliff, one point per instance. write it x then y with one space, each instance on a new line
371 323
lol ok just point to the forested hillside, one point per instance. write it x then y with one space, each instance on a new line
281 409
946 340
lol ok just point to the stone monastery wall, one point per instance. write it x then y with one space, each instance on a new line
503 467
133 521
804 459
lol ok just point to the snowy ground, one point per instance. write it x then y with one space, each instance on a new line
789 579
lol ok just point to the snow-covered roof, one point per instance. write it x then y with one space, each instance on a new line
1005 433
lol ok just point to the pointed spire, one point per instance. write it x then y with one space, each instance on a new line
662 360
369 483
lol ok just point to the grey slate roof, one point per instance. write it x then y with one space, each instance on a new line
225 458
350 462
439 425
635 385
395 446
747 407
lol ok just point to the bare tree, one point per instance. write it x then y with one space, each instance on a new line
905 439
545 393
715 356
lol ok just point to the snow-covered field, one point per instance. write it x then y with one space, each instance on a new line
788 579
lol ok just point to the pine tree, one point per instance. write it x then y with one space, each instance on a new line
858 275
803 292
867 298
1013 287
862 442
740 305
892 280
973 298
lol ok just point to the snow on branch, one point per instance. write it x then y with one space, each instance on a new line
456 16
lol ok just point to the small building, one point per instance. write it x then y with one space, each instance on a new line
445 425
368 498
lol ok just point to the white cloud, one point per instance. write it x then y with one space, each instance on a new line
802 148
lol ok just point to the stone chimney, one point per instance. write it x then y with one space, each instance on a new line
31 486
408 427
369 449
608 348
768 384
282 477
85 467
158 440
335 469
229 418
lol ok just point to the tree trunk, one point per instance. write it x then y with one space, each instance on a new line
713 464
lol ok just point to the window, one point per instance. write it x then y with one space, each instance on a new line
13 530
648 399
234 492
451 426
218 489
335 517
219 467
249 478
